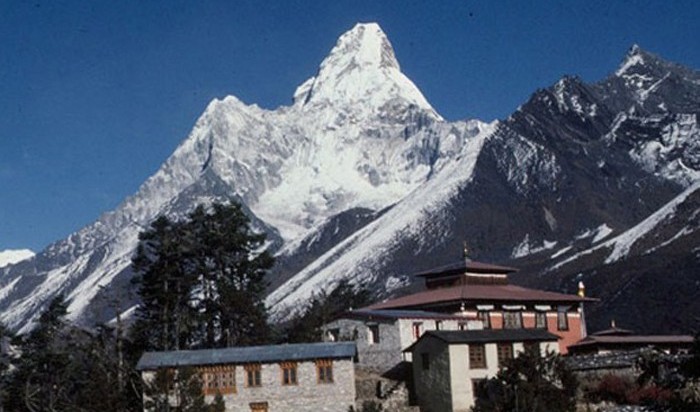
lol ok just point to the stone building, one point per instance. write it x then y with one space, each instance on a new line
382 335
449 366
292 377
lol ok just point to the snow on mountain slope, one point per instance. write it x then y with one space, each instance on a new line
9 257
359 134
621 246
676 154
359 254
361 145
361 75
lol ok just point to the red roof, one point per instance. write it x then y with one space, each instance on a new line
501 293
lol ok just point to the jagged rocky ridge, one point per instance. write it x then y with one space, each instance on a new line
360 178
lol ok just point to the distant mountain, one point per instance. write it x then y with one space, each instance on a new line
9 257
361 179
576 164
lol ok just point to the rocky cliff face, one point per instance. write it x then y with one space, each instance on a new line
360 178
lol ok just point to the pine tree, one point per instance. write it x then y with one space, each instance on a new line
164 287
6 337
201 281
37 383
231 274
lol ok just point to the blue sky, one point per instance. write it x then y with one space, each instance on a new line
94 96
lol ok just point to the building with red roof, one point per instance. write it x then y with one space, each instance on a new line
476 290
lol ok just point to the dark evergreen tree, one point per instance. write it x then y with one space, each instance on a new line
530 382
323 308
159 264
105 381
65 368
37 383
202 282
6 339
231 274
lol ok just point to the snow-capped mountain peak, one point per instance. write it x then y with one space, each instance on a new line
10 257
632 58
361 71
364 45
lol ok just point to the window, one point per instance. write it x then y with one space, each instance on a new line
425 361
253 375
289 373
218 379
512 320
438 325
505 352
417 326
541 320
462 326
258 407
478 388
373 333
477 356
562 319
484 317
324 369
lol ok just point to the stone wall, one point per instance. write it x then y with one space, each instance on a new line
432 381
380 356
307 395
395 335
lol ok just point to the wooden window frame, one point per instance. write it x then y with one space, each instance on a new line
540 316
518 316
485 317
562 319
289 373
253 375
324 371
218 379
504 351
477 356
258 406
